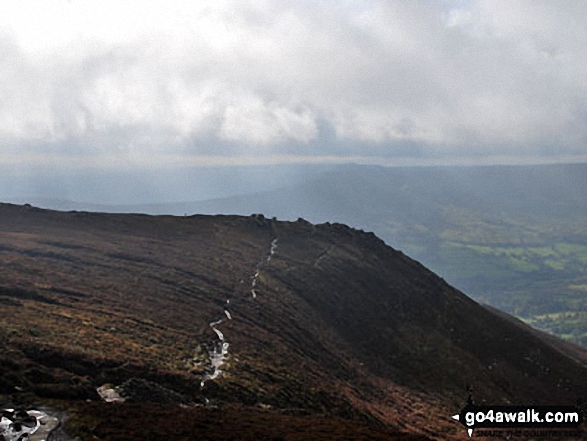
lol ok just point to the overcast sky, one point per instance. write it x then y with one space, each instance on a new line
196 82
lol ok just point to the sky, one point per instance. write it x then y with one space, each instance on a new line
143 83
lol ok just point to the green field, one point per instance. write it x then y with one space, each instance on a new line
535 269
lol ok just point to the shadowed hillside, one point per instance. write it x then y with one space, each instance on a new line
310 322
511 236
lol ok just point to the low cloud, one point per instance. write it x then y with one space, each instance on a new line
451 78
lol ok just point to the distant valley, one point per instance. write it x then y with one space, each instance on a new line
512 236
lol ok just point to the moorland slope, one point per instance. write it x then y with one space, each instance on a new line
315 328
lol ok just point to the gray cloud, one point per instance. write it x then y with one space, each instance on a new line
447 78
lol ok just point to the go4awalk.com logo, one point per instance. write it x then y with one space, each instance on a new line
518 417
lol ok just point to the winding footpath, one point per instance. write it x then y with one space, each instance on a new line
272 251
219 350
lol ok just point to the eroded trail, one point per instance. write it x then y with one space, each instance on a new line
217 354
218 351
272 251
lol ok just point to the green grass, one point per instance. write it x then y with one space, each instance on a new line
522 265
465 263
554 264
528 267
571 325
571 249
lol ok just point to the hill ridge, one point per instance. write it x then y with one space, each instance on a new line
341 324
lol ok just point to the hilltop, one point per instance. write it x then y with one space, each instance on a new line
513 237
324 323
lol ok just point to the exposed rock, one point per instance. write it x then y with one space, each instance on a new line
109 394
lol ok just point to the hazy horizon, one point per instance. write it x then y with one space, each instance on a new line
99 189
132 86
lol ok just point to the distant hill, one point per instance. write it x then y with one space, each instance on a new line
512 236
327 327
96 189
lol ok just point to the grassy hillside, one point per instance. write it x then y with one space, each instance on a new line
515 237
343 331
